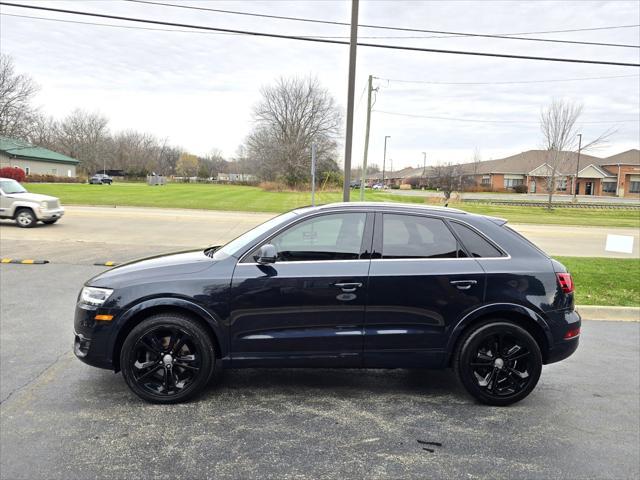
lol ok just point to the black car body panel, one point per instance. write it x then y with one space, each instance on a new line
367 310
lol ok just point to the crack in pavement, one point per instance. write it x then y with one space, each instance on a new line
36 377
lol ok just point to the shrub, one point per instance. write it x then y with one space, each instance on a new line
273 186
15 173
520 188
46 178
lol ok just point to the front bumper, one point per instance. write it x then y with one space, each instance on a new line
49 214
92 339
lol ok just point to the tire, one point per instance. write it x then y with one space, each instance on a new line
25 218
498 362
49 222
154 371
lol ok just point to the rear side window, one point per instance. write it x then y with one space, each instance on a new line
410 236
476 245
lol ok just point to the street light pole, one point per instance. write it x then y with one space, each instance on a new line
424 167
575 180
353 43
384 158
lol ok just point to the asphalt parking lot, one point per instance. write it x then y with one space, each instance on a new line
61 419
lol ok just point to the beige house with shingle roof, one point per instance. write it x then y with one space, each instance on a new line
618 175
35 160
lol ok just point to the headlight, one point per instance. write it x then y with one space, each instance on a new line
95 296
44 205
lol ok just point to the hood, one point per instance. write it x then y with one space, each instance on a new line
32 197
148 269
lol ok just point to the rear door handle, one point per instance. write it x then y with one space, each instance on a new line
463 284
348 287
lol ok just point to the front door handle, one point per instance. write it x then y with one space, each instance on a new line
348 287
463 284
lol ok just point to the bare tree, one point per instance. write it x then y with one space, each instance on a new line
293 114
448 178
557 122
17 115
558 125
83 135
477 158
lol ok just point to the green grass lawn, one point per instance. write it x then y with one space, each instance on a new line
605 281
241 198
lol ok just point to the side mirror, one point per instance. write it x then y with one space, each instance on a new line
266 254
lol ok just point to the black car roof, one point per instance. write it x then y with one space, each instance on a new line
378 206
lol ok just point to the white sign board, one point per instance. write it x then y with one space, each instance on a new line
619 243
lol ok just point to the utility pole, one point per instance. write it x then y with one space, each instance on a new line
313 174
575 180
366 138
424 168
353 44
384 158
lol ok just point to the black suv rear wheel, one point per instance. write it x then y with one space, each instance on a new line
167 358
498 362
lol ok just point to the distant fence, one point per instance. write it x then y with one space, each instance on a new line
156 180
524 203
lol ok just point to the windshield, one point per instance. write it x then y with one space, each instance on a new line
238 243
11 186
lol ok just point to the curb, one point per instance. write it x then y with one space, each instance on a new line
27 261
619 314
107 264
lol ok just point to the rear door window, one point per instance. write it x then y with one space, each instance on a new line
411 236
476 245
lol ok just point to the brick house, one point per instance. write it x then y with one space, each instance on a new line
618 175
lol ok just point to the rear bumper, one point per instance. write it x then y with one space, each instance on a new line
563 348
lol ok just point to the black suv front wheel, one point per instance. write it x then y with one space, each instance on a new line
167 358
498 362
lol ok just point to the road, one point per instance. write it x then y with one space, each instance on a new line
523 197
61 419
90 234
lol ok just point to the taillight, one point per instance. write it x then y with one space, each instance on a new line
574 332
566 282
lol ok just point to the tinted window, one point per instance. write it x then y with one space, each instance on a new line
476 245
409 236
327 237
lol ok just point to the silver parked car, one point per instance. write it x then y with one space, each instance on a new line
27 208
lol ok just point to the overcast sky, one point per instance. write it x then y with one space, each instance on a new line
198 89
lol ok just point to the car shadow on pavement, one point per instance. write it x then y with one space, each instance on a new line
337 382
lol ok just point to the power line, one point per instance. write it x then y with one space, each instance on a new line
515 82
478 120
384 27
404 29
317 40
97 24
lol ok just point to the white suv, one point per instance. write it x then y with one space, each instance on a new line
27 208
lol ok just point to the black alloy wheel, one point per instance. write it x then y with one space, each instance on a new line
499 363
167 358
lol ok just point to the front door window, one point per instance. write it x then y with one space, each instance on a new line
327 237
